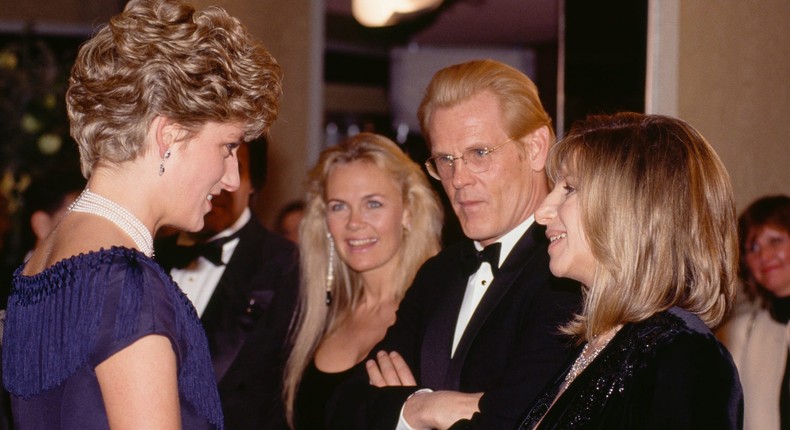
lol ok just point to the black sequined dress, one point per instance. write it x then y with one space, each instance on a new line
667 372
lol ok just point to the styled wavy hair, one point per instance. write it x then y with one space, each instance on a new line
314 318
518 97
162 57
773 211
657 208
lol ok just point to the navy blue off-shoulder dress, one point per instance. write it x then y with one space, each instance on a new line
63 322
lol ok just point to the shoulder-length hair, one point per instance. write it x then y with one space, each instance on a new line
657 207
163 57
314 317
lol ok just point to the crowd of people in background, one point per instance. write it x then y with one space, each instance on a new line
585 293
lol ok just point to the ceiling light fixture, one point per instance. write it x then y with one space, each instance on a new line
380 13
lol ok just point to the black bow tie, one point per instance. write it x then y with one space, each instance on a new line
474 258
183 256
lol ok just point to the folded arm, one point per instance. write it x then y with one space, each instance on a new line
425 409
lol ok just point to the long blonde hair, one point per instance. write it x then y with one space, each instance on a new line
314 318
657 207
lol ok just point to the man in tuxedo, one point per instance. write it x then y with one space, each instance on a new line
477 332
243 281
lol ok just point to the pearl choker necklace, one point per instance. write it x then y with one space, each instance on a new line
89 202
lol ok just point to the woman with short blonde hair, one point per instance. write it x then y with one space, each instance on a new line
97 334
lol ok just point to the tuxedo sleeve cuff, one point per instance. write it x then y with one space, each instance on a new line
402 423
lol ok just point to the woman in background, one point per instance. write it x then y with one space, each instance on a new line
758 338
642 214
97 335
371 220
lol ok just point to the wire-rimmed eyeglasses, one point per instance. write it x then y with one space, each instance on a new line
477 160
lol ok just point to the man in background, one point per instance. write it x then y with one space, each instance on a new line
243 282
45 200
287 221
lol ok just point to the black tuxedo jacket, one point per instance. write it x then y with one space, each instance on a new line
510 349
246 322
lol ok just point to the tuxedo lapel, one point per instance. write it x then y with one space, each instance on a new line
437 344
230 312
517 261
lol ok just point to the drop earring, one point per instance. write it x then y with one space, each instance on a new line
162 163
330 270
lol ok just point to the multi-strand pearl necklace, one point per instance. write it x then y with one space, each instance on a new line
89 202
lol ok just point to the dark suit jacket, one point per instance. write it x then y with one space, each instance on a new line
510 350
246 322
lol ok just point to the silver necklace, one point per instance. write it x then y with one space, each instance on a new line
584 359
89 202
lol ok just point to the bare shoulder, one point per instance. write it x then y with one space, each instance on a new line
77 233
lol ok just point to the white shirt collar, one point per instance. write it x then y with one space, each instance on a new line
510 239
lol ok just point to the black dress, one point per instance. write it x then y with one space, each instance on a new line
667 372
314 392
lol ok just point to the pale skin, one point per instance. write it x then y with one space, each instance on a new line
429 410
43 223
355 335
139 383
139 386
511 189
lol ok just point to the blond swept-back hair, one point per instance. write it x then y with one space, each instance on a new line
314 318
162 57
657 208
518 97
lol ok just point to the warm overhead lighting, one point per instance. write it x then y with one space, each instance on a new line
379 13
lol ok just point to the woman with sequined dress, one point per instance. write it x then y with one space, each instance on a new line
642 214
97 335
371 219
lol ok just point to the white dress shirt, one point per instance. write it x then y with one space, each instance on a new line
199 280
476 287
478 282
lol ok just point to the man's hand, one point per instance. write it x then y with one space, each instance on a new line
439 409
389 369
424 409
